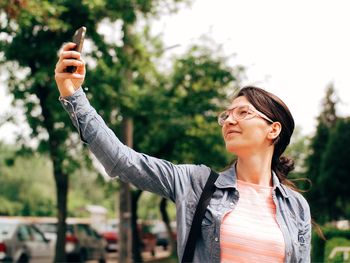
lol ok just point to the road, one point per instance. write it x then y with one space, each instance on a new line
147 257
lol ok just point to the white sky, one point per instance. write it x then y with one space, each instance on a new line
291 48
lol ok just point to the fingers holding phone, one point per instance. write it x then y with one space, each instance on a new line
68 83
69 58
70 68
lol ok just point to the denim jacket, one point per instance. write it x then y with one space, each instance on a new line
184 183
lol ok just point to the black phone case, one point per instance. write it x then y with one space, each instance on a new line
78 39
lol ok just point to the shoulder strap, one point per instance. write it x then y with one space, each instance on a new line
203 202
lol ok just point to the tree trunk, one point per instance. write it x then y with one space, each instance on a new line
61 193
125 243
57 156
136 239
166 220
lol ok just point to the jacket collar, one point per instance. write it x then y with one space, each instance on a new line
276 184
228 179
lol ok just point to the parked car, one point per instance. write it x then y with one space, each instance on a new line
162 237
21 241
110 234
147 237
82 241
161 233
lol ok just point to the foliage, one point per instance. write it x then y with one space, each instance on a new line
149 210
331 244
318 144
124 81
322 248
87 188
42 27
26 186
185 110
334 177
328 115
297 150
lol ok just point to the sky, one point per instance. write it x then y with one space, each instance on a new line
291 48
294 49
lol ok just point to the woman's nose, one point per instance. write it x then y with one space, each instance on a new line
230 120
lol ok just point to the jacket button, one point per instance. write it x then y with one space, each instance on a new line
216 239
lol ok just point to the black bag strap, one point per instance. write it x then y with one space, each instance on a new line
203 202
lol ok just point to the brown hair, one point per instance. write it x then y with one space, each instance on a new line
274 108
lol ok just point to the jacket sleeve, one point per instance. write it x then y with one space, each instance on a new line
145 172
308 230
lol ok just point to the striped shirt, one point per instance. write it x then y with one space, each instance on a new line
250 232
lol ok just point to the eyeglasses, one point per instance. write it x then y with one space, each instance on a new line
244 112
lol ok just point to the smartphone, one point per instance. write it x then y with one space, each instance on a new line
78 39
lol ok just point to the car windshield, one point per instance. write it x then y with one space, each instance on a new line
112 226
47 228
159 228
6 229
52 228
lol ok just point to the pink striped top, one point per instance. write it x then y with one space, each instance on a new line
250 232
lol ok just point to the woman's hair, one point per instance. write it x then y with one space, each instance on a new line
274 108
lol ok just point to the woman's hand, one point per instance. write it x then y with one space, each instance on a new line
68 83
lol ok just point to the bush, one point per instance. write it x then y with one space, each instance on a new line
336 242
321 249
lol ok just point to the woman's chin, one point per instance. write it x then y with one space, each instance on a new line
237 148
231 148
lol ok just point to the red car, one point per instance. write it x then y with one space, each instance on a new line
148 239
112 240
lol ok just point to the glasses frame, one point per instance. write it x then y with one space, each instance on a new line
221 121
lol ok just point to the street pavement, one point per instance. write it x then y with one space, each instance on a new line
147 256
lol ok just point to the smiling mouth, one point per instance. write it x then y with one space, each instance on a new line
232 133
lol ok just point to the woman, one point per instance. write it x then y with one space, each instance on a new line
253 216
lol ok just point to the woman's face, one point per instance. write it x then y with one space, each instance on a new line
247 136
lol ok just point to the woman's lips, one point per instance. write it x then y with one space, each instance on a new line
231 132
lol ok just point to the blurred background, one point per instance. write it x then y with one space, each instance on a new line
159 72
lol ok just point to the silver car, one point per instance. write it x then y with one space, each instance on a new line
21 241
82 241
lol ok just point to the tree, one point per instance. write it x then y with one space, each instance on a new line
20 193
297 151
124 83
42 27
326 121
178 120
181 123
335 169
123 80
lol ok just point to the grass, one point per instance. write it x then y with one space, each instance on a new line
336 242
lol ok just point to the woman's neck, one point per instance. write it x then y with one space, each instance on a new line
255 169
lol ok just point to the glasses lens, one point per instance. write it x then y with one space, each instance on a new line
241 112
222 117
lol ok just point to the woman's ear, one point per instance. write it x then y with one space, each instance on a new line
275 130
